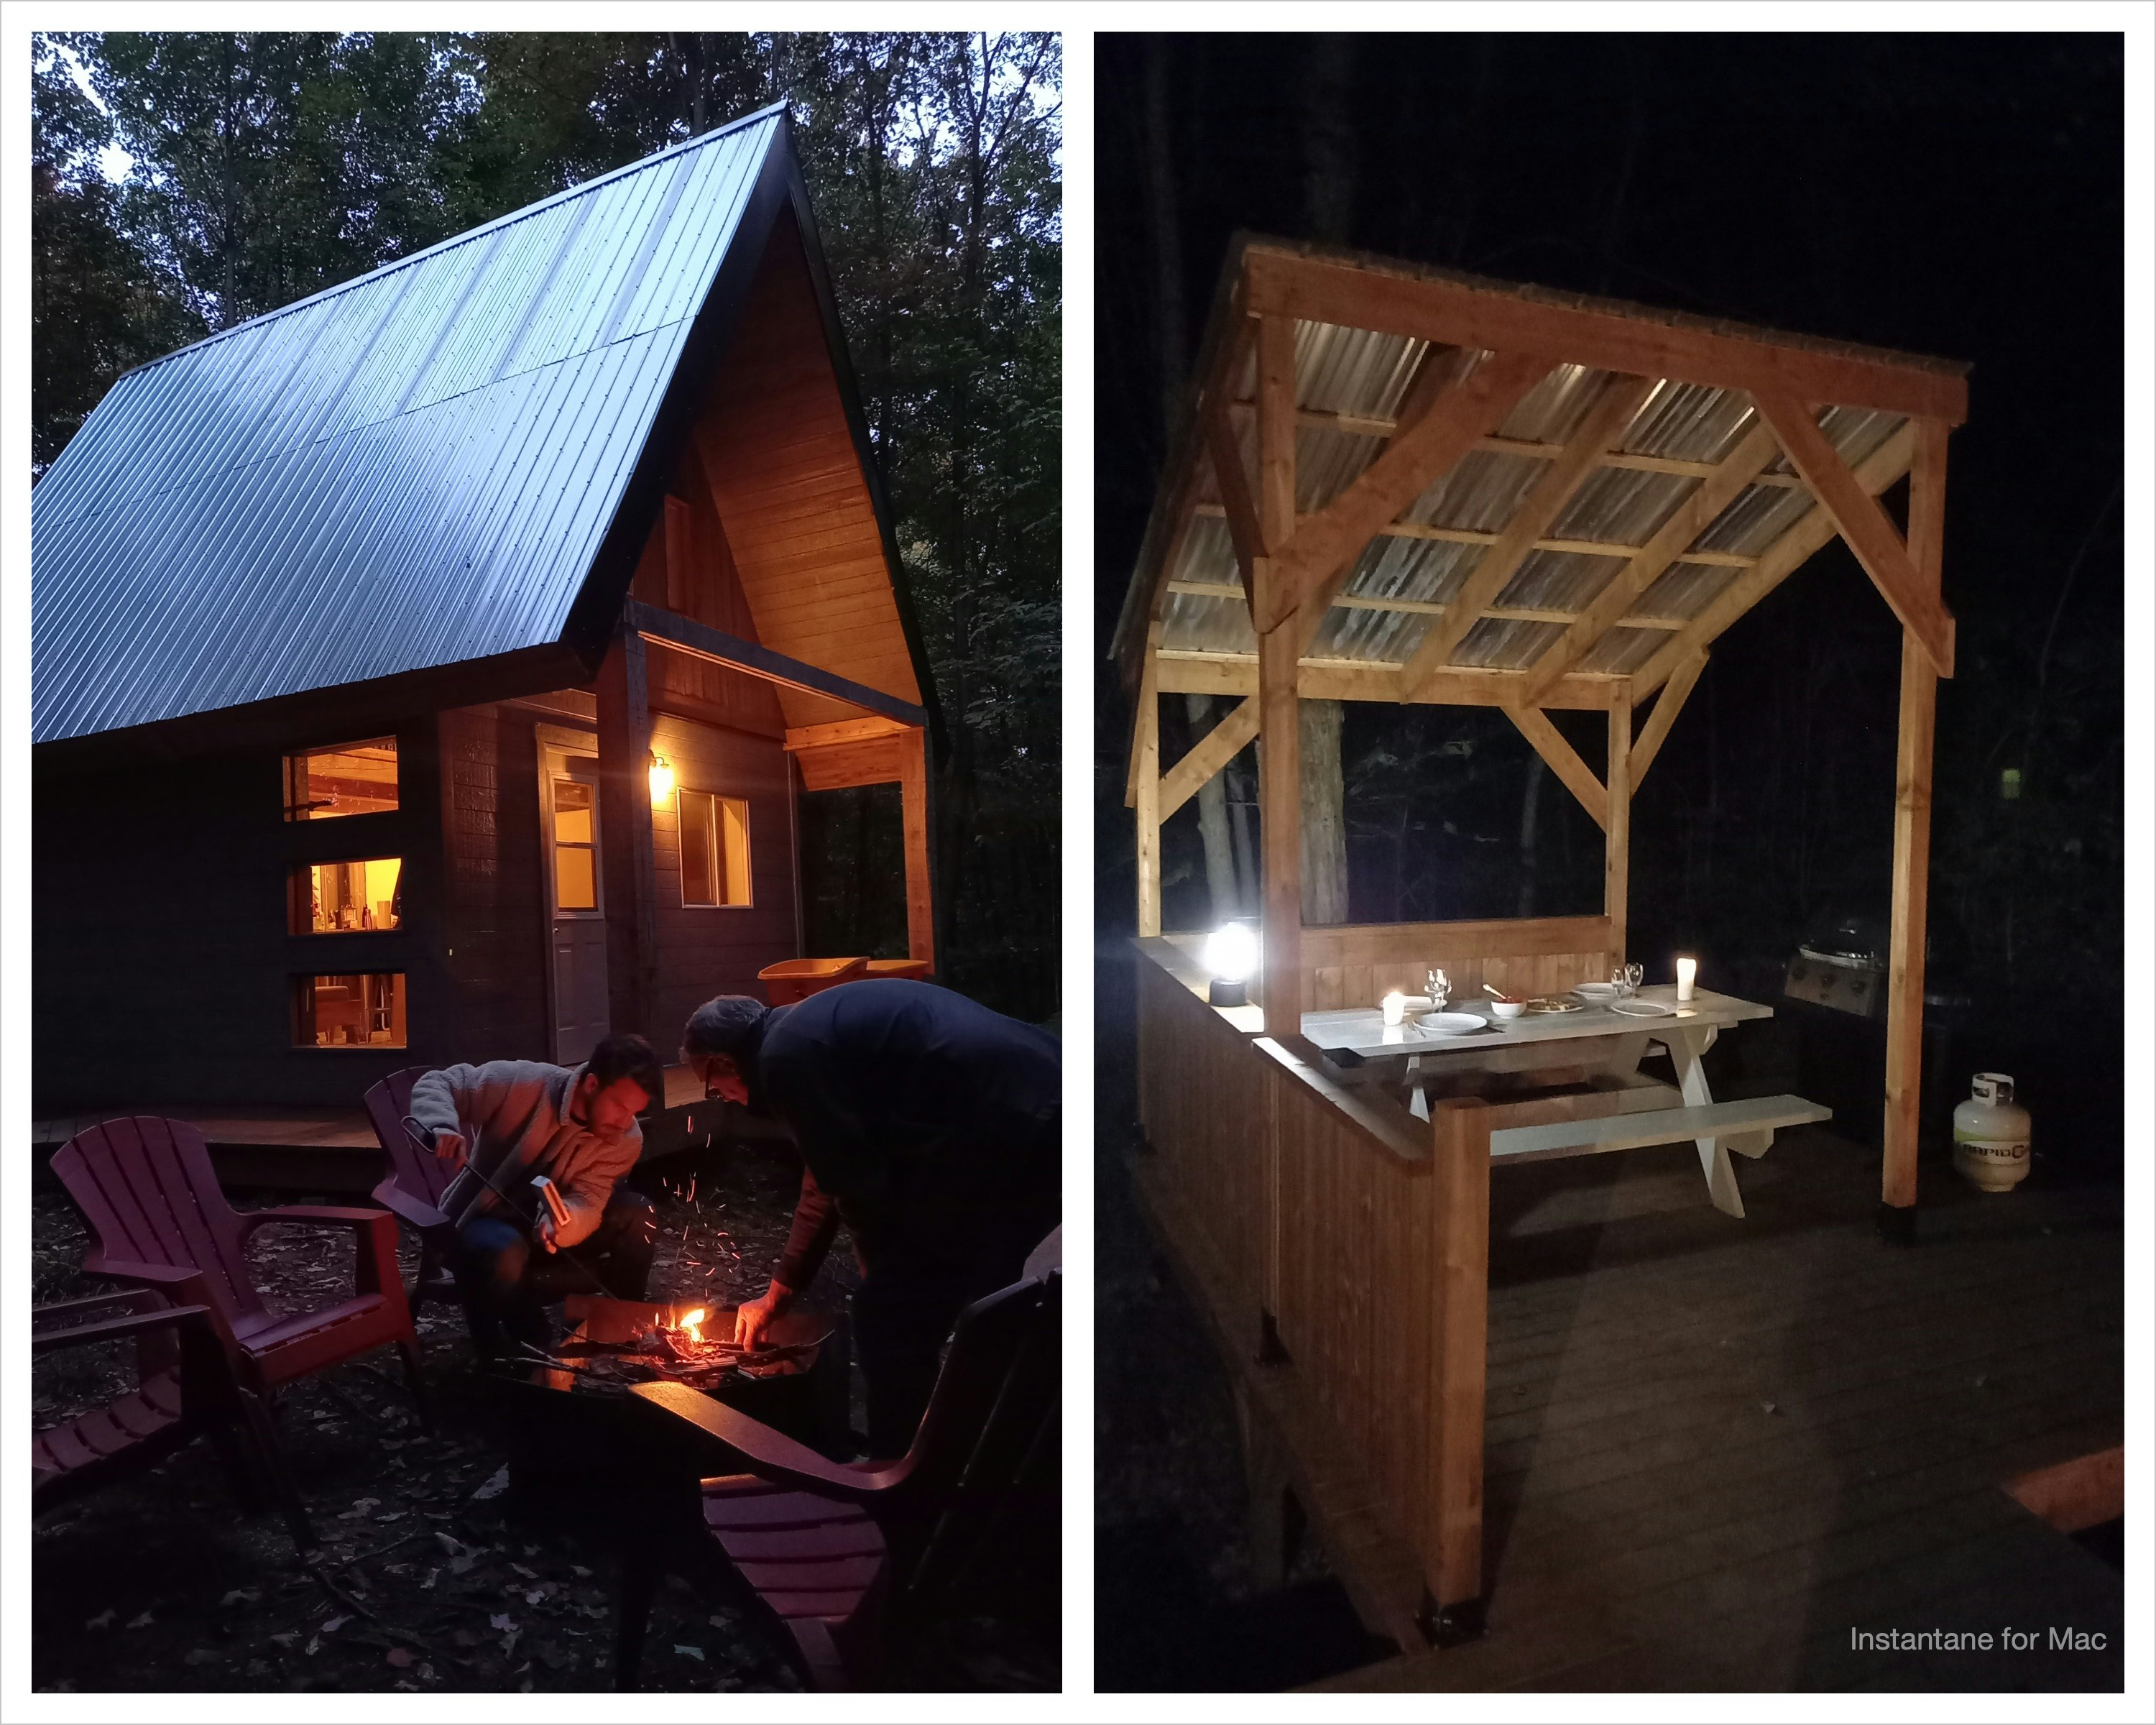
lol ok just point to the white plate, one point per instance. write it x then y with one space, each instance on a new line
1597 991
1643 1009
1452 1024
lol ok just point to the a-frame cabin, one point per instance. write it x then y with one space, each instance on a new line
430 669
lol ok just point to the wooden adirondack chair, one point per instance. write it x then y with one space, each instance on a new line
185 1388
146 1187
846 1554
414 1186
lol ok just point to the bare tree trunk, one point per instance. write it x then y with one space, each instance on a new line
1246 838
1213 823
1324 832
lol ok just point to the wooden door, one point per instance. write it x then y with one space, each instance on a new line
576 897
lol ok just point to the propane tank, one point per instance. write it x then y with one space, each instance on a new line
1991 1135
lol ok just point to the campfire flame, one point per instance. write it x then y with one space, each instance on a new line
692 1324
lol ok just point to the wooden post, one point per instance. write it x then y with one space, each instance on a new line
1460 1224
920 893
1145 785
1913 830
624 734
1280 829
1617 834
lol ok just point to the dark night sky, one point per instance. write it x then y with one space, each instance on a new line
1954 195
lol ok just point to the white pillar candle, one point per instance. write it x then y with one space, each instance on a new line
1687 973
1396 1007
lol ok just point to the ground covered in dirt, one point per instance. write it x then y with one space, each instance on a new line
430 1574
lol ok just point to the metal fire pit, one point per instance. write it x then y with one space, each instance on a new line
578 1442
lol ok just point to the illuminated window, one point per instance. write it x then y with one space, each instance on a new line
362 1011
344 897
714 849
353 778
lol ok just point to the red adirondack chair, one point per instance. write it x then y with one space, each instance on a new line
146 1187
184 1389
846 1554
413 1187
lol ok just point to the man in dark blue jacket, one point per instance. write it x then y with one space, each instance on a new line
930 1126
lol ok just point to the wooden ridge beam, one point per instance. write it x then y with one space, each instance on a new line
1692 517
1800 540
1465 315
1326 545
1620 399
1207 755
1184 673
1870 534
1577 776
1674 693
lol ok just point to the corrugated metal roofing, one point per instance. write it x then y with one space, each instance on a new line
413 469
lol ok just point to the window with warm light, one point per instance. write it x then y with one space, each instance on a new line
352 779
347 897
361 1011
714 849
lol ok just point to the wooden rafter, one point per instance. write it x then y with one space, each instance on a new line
1674 693
1279 281
1578 777
1806 535
1692 517
1196 673
840 731
1424 608
1620 399
1580 547
1326 544
1864 525
1233 483
1207 755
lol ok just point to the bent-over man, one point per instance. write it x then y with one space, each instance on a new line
504 1122
930 1126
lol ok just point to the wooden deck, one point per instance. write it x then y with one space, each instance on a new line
1715 1447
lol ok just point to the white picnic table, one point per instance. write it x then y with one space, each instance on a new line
1601 1038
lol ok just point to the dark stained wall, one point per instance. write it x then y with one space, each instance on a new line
162 960
494 913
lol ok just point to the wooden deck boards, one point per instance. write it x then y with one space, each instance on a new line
1714 1447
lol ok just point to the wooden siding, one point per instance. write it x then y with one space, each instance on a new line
783 472
688 568
706 950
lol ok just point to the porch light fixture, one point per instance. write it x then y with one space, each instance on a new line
662 780
1231 954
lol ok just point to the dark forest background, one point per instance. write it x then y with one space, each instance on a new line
270 166
1956 196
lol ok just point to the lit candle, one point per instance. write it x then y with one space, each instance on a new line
1396 1007
1687 972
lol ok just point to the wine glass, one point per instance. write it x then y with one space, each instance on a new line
1634 974
1439 986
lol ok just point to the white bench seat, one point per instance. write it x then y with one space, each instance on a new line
1747 1127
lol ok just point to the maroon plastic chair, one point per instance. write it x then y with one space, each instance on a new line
185 1388
413 1190
146 1187
847 1556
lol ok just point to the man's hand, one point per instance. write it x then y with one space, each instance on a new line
448 1147
542 1229
753 1319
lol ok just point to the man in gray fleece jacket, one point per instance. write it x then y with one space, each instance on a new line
509 1120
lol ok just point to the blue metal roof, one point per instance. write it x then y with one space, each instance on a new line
414 469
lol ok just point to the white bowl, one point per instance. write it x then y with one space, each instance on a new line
1508 1008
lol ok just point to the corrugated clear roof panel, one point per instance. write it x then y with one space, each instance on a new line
1327 463
1193 623
1551 412
1505 644
1682 591
1207 552
413 469
1621 506
1358 371
1756 517
1369 637
1622 651
1393 567
1481 494
1557 580
1854 432
1689 421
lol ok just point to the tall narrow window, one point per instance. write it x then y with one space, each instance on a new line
344 897
576 845
352 779
714 849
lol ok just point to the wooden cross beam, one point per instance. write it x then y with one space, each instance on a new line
1577 776
1693 516
1207 755
1915 598
1620 399
1322 553
1875 473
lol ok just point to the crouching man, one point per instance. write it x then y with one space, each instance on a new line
931 1127
500 1124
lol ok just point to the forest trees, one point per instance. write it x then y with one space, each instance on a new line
263 168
